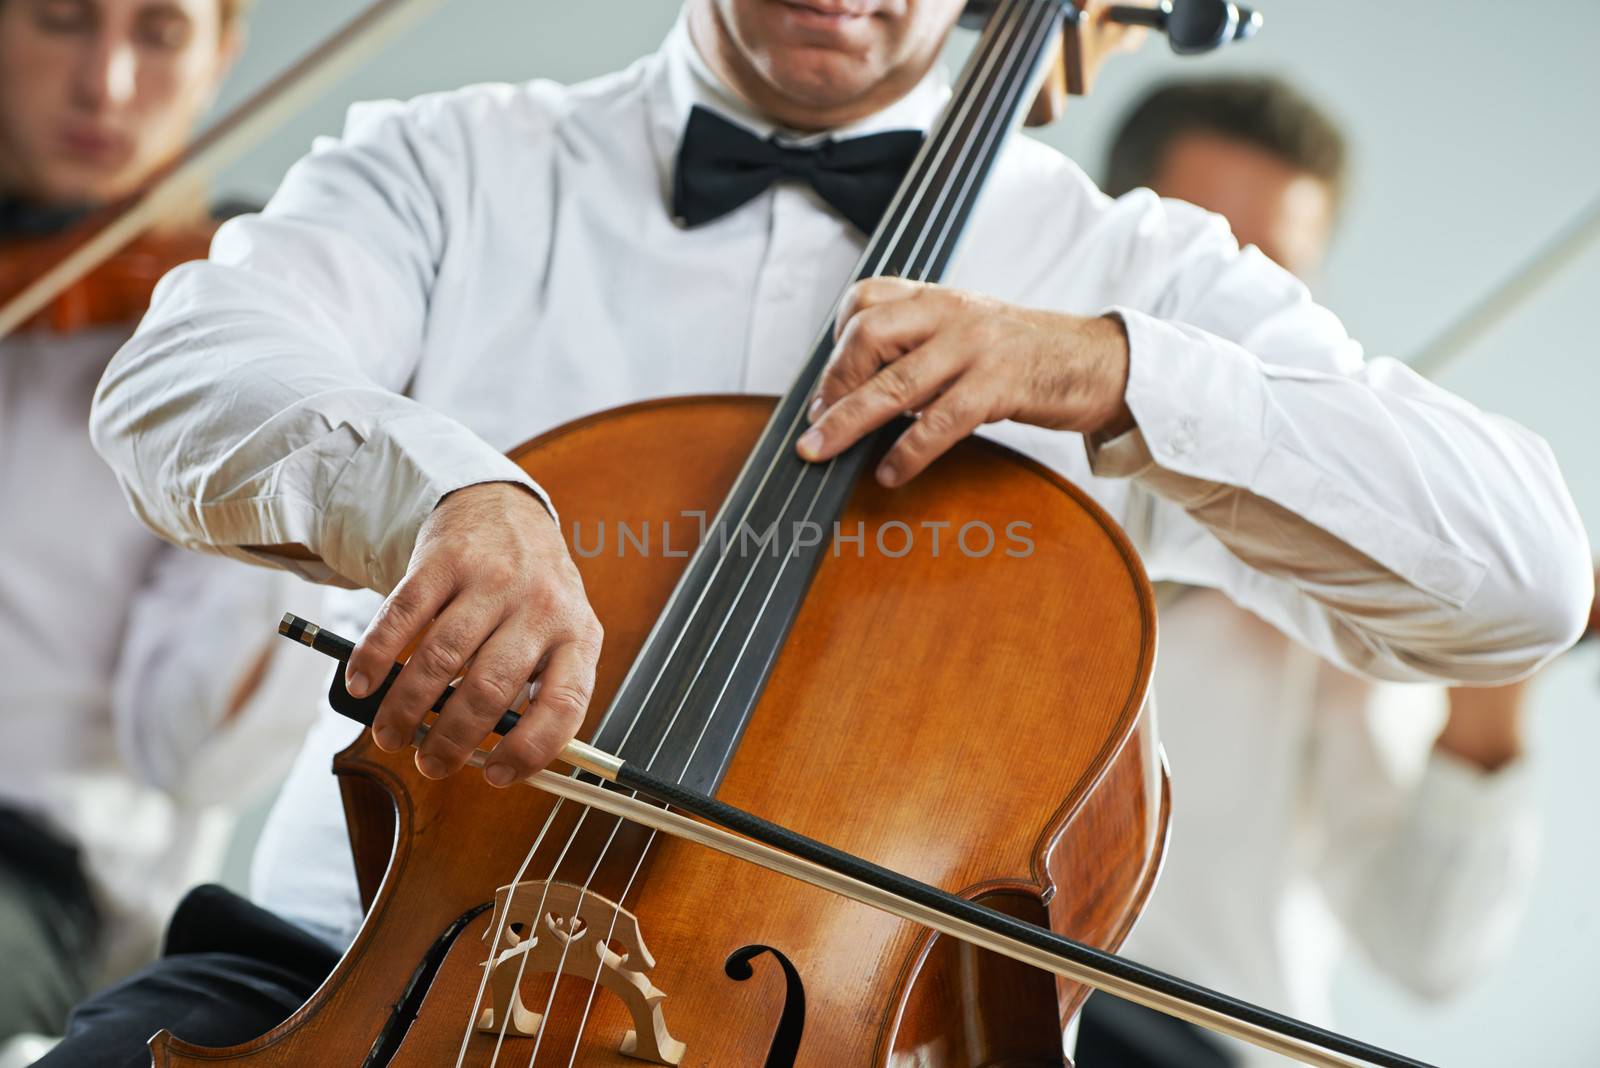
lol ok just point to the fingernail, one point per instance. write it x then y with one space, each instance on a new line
815 409
811 443
498 775
887 473
388 738
432 767
356 683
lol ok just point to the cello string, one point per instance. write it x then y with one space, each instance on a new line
661 743
898 208
500 928
937 248
650 840
616 827
991 129
583 892
494 945
886 253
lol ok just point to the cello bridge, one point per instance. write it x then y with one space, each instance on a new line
572 935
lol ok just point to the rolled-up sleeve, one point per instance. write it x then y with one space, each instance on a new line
1387 523
260 405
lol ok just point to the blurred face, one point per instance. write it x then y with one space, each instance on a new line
1283 211
95 94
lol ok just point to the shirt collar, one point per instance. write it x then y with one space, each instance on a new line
681 78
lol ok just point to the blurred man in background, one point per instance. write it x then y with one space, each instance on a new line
1312 809
138 685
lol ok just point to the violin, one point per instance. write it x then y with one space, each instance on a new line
115 291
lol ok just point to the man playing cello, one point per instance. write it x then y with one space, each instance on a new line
333 391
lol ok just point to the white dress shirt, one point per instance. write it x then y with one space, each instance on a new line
1311 813
467 270
119 655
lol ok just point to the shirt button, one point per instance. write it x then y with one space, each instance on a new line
1181 441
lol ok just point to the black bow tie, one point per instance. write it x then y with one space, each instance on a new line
722 165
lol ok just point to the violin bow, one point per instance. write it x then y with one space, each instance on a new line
745 836
1565 248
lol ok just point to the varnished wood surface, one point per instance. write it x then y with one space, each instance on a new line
975 723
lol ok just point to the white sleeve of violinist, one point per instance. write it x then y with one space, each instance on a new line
212 710
1386 523
259 405
1428 861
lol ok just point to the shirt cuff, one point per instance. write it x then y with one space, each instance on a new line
1206 422
391 485
1124 456
1456 794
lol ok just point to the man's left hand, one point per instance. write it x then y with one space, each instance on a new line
959 360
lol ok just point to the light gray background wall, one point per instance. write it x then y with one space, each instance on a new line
1474 128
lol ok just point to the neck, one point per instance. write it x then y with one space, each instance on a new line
713 39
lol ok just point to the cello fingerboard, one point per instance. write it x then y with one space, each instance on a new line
689 694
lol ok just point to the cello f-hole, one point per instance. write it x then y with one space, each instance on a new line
786 1039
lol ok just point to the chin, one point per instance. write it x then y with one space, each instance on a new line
821 78
78 185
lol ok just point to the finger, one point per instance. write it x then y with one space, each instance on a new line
405 613
870 292
954 415
905 385
555 718
877 337
442 654
493 683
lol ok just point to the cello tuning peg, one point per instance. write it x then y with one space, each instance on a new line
1250 21
1192 26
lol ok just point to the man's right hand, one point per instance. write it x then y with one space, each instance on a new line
492 583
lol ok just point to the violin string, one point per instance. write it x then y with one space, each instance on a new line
936 249
887 250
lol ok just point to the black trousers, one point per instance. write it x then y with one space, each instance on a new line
49 927
230 971
1120 1034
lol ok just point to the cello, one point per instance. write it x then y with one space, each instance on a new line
737 675
704 688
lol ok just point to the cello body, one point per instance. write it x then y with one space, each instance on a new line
976 719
